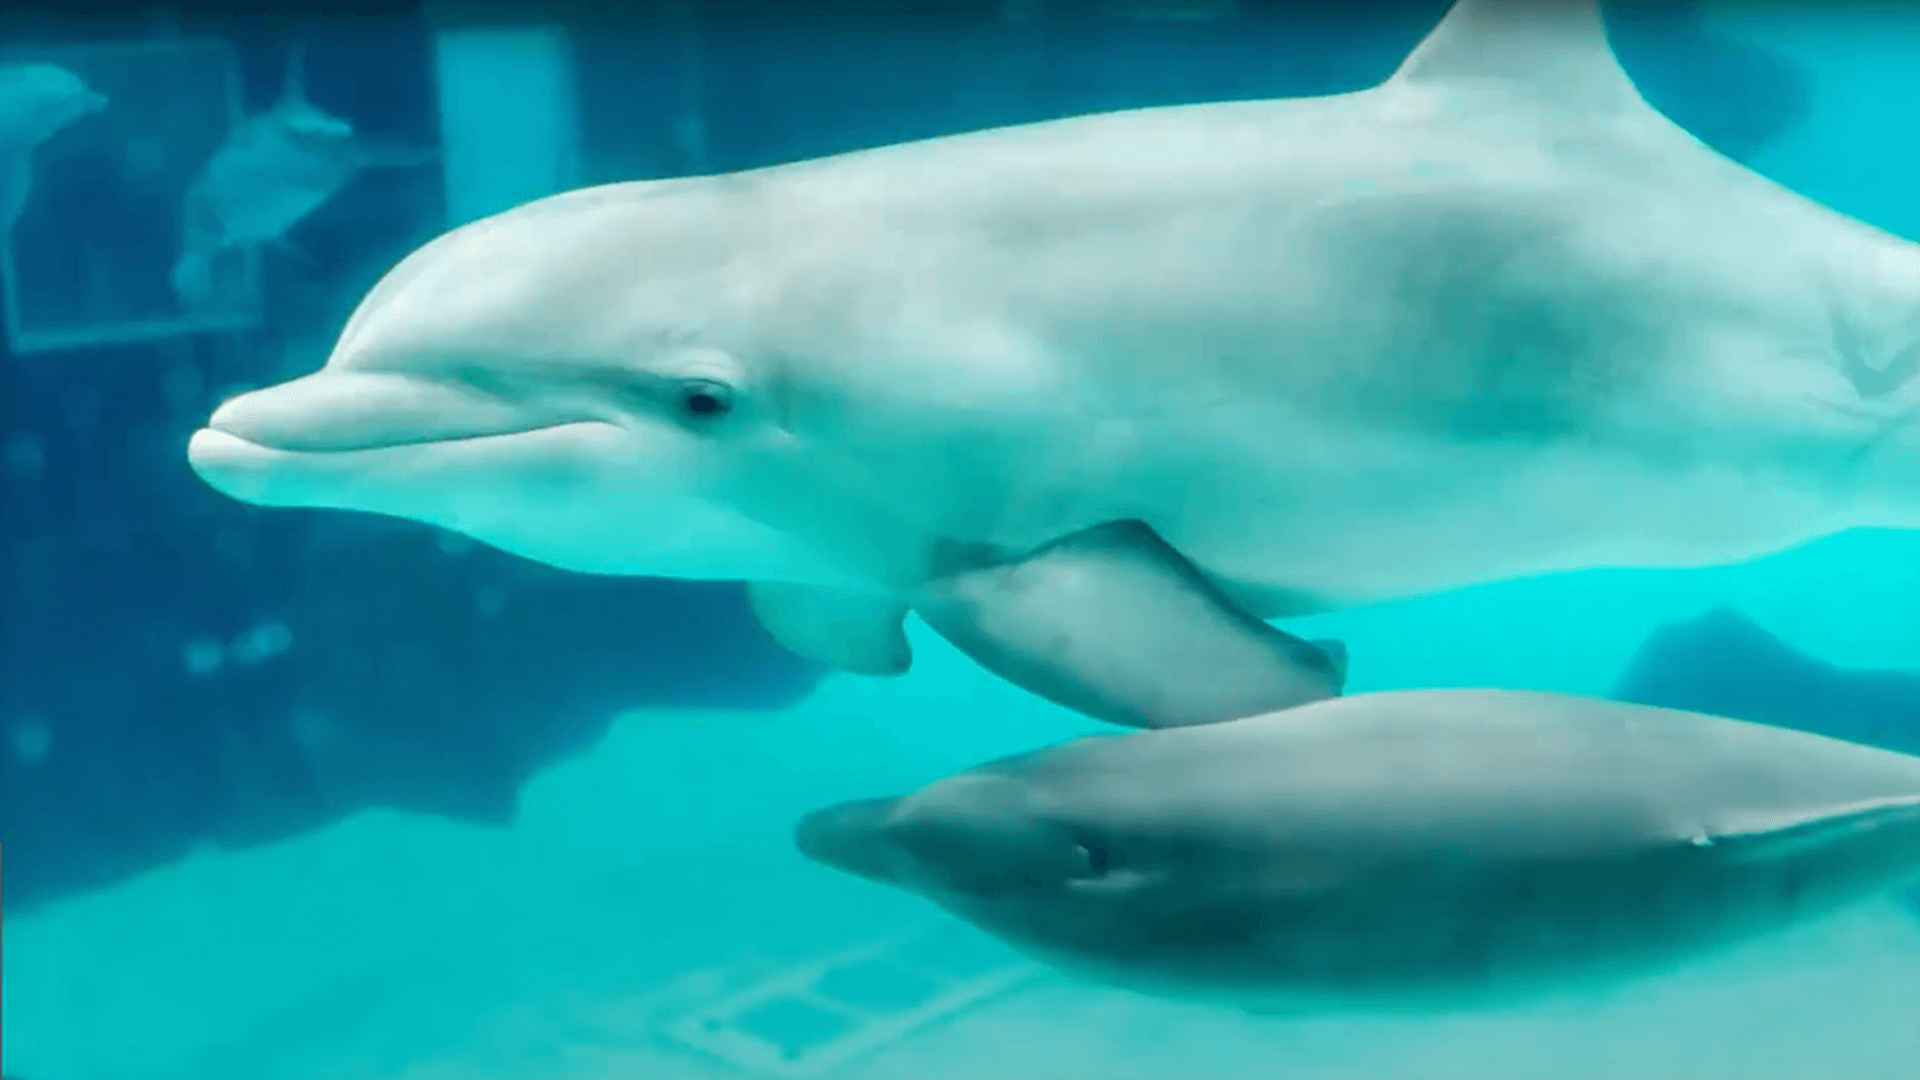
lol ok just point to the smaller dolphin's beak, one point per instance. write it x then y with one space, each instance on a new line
851 837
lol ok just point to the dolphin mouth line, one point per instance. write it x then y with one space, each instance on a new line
401 444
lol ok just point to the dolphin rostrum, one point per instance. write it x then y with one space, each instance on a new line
1496 316
1424 849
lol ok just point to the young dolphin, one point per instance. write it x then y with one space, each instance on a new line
1306 352
269 174
1424 849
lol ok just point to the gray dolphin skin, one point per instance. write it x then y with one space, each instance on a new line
1320 352
1409 850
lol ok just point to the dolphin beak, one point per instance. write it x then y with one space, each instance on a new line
342 438
332 411
851 837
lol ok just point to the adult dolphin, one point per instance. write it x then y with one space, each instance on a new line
1424 849
1494 317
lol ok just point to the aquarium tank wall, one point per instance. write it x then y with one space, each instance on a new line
1034 539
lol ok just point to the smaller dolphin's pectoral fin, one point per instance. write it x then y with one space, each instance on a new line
1785 836
855 631
1114 623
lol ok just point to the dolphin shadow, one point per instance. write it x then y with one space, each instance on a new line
394 674
1735 97
1722 663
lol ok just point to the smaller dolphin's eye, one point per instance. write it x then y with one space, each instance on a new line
1096 857
703 399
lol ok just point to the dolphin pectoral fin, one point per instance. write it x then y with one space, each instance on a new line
855 631
1114 623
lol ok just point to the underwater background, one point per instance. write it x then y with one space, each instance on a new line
292 794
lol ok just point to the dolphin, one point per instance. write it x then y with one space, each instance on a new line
1494 317
37 102
1408 850
273 170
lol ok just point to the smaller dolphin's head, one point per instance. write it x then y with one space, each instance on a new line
37 101
554 381
964 843
312 130
1127 898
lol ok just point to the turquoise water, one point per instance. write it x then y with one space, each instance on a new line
653 878
645 915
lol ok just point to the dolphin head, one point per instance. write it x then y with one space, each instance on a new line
1137 891
556 381
969 846
37 101
304 119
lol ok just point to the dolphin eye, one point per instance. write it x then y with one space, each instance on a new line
704 399
1095 857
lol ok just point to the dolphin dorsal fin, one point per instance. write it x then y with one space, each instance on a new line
1550 51
293 83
